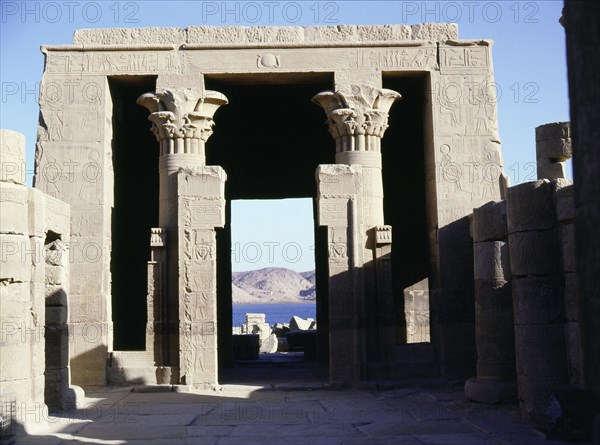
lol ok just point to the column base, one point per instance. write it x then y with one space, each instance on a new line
490 391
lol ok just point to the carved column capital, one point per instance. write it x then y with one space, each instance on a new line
182 118
357 115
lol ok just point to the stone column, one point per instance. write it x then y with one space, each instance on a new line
357 116
182 117
339 201
538 300
553 148
581 20
563 196
494 326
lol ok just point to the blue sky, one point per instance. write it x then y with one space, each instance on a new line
528 56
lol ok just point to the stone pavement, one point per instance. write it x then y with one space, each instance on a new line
285 406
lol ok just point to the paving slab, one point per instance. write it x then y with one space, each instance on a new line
263 414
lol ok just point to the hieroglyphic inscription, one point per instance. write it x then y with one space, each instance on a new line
420 57
460 57
115 62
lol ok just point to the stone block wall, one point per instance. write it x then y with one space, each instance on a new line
34 267
495 337
537 293
539 264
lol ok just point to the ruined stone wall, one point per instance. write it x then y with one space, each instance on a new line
547 344
34 270
494 330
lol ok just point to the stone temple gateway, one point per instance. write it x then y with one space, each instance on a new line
239 112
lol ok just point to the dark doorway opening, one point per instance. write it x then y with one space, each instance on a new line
135 167
270 139
404 184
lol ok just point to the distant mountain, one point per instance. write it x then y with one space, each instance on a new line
273 285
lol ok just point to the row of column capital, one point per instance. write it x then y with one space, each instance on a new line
357 115
182 118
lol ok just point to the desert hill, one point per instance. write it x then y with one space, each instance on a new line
273 285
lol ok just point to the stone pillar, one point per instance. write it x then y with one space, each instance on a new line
74 165
581 20
563 196
157 319
182 117
339 202
538 299
553 148
357 116
494 325
200 209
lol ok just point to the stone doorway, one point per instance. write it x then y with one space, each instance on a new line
135 208
273 281
269 139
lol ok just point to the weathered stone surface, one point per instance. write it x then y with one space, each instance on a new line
130 36
269 345
300 324
240 35
489 222
553 141
491 261
13 216
12 157
255 318
571 300
553 147
37 213
490 392
551 170
243 34
499 371
541 350
567 241
530 206
538 300
17 257
58 217
493 300
565 204
534 253
582 36
280 329
435 31
416 312
574 353
57 344
534 392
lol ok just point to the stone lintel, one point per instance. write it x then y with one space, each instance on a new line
266 35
